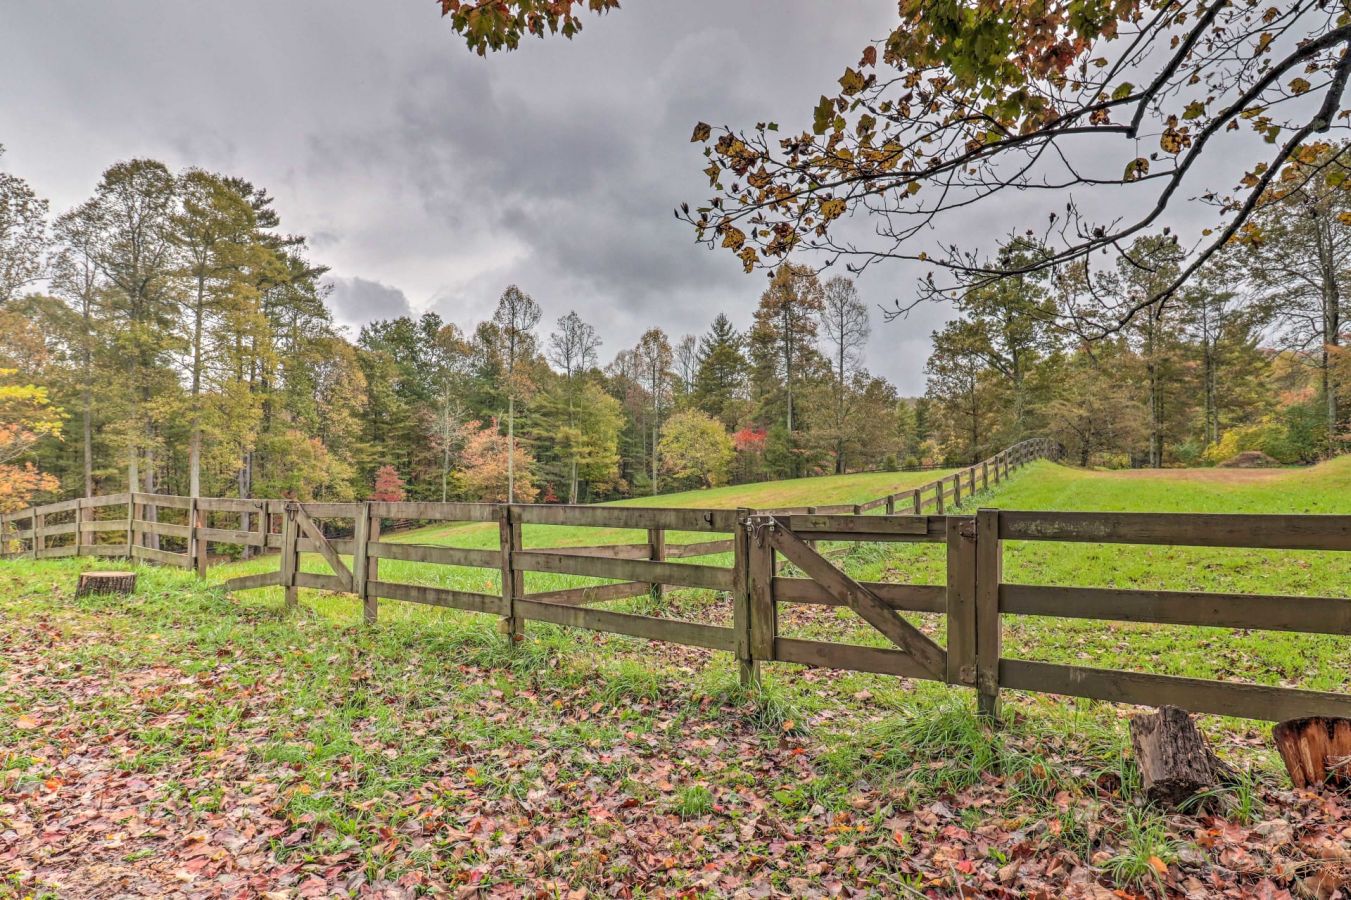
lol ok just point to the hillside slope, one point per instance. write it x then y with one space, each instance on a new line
1325 488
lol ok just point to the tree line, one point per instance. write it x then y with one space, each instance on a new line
169 334
1248 356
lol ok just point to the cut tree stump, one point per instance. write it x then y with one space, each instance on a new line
105 583
1175 760
1316 751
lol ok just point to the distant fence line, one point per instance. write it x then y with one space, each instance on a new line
90 526
974 599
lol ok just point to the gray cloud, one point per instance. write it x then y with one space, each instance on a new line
356 301
430 178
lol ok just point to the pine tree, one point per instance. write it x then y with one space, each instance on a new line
720 377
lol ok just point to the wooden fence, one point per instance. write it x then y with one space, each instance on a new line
975 598
134 525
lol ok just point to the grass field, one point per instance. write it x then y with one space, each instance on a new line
216 746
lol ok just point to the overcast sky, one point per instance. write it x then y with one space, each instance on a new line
428 178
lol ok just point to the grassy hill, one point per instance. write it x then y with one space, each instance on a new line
1325 488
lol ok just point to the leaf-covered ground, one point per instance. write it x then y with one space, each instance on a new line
188 743
184 743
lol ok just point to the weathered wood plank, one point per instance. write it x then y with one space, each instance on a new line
927 598
989 565
1311 615
91 526
1275 532
509 540
748 670
1225 698
165 501
50 509
434 596
182 560
167 529
607 551
439 512
598 593
700 548
230 504
827 655
442 556
332 510
863 601
63 550
711 577
629 517
871 527
361 545
961 601
232 536
250 582
120 550
319 582
691 634
764 614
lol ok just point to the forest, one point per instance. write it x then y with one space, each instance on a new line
169 333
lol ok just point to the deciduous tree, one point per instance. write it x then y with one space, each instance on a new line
696 448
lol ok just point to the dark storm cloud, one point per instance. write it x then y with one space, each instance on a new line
357 301
430 178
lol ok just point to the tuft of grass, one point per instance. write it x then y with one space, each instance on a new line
1145 851
693 801
1240 800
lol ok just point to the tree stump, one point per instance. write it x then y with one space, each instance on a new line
105 583
1175 761
1316 751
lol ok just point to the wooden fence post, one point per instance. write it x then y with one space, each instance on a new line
957 489
985 475
133 516
513 582
198 545
79 526
361 536
290 554
39 519
656 551
961 600
748 669
989 630
938 496
764 623
891 504
918 501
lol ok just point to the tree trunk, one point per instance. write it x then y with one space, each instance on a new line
511 448
105 583
1316 751
87 442
1175 761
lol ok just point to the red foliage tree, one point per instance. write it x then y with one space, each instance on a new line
389 487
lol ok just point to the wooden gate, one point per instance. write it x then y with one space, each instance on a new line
301 534
914 654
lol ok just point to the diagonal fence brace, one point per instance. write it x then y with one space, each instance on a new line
907 637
